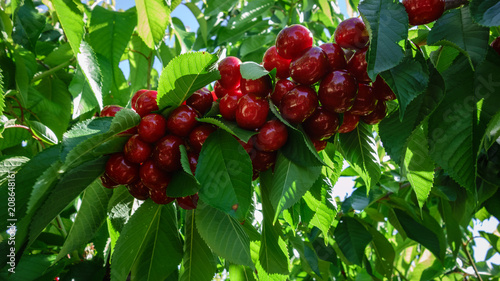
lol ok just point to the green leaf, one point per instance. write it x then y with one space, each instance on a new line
31 267
225 172
237 32
71 18
2 93
183 183
230 127
213 7
290 182
90 217
255 43
82 131
89 64
28 24
26 67
240 273
83 98
43 132
154 17
384 251
455 28
248 14
323 216
252 70
119 211
59 55
359 149
200 17
198 262
387 23
183 76
138 63
486 12
213 224
14 136
352 239
43 185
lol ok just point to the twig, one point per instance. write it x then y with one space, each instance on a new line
29 130
51 71
471 260
20 107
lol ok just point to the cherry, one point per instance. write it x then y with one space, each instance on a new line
159 196
260 87
357 66
110 110
298 104
423 11
221 91
365 101
201 100
496 45
382 91
322 124
152 176
228 105
251 112
272 60
182 120
248 146
107 182
198 136
152 127
136 96
188 202
146 103
272 136
229 69
136 150
319 144
193 161
281 87
338 91
349 123
293 41
138 190
310 67
351 34
120 170
335 56
377 114
167 154
262 160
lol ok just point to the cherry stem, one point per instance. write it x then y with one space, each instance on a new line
20 107
452 4
29 130
51 71
471 260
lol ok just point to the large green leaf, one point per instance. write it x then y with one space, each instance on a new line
323 216
198 263
200 17
138 63
352 239
71 17
240 273
83 97
213 7
387 24
119 211
456 28
183 75
384 251
359 149
486 12
154 16
225 173
26 67
230 127
89 64
43 132
28 24
213 225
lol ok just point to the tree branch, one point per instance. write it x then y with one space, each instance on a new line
471 260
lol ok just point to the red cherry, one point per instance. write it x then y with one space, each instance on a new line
496 45
229 69
193 161
220 91
138 190
335 56
382 91
424 11
198 136
228 105
293 41
260 87
152 176
159 196
365 101
357 66
152 127
189 202
272 136
201 100
282 87
107 182
319 144
310 67
322 124
251 112
136 150
136 96
349 123
167 154
352 34
272 60
120 170
298 104
110 110
338 91
377 115
248 146
262 160
182 120
146 103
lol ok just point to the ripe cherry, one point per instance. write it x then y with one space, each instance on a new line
221 91
248 146
365 101
352 34
136 96
159 196
251 112
120 170
262 160
107 182
322 124
152 127
382 91
167 154
298 104
424 11
349 123
272 136
229 69
282 87
319 144
136 150
260 87
357 66
201 100
189 202
182 120
338 91
145 103
138 190
198 136
310 67
228 105
110 110
496 45
152 176
293 41
335 56
272 60
377 114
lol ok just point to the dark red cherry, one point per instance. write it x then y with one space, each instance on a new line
229 69
136 150
167 154
198 136
189 202
322 124
159 196
496 45
193 161
351 34
201 100
424 11
293 41
146 103
220 91
377 115
260 87
282 87
182 120
152 176
365 101
338 91
272 136
152 127
319 144
251 112
335 56
298 104
262 160
138 190
382 91
357 66
120 170
310 67
107 182
110 110
248 146
349 123
136 96
228 105
272 60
